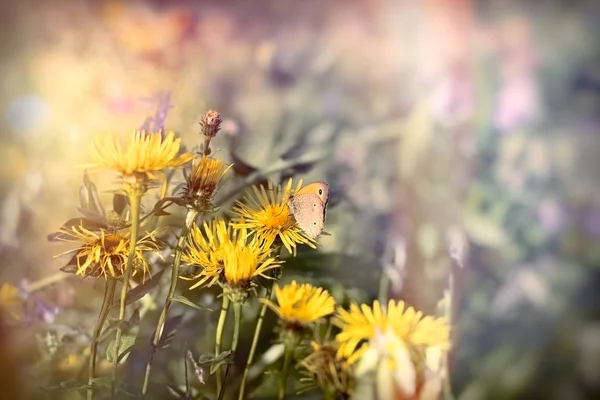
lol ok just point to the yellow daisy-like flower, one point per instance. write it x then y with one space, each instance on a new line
10 301
402 372
361 324
300 305
104 253
200 186
207 248
267 213
144 155
327 368
228 256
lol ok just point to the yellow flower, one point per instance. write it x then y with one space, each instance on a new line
144 155
401 372
105 253
206 248
361 324
10 301
228 256
200 186
300 305
267 213
327 368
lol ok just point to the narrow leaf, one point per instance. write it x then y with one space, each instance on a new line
240 167
141 290
221 359
187 302
120 203
169 331
88 196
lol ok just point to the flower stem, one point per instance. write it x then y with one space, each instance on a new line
160 326
237 319
290 346
219 337
109 292
276 251
384 286
259 323
329 394
134 199
46 281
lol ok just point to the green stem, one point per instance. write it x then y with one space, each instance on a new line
109 292
134 200
329 394
448 394
384 287
48 280
219 337
237 320
160 326
276 251
259 323
290 345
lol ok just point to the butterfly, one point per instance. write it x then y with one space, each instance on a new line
309 207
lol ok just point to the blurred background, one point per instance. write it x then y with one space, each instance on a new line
460 138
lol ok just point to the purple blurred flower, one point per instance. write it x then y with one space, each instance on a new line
591 222
518 103
156 122
26 112
454 98
36 308
551 216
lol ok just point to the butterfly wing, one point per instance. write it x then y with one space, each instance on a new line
309 212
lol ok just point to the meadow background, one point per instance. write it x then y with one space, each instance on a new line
456 136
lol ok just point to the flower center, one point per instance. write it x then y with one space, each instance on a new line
277 216
111 241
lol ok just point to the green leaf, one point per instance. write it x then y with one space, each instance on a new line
127 342
205 359
129 326
88 196
161 213
428 240
112 327
483 231
187 302
221 359
121 386
169 330
67 386
268 386
141 290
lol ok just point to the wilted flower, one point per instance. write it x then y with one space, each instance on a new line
201 184
301 305
211 123
105 253
10 302
401 371
327 368
145 154
228 257
268 214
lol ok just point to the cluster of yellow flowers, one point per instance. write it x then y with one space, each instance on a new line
235 254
